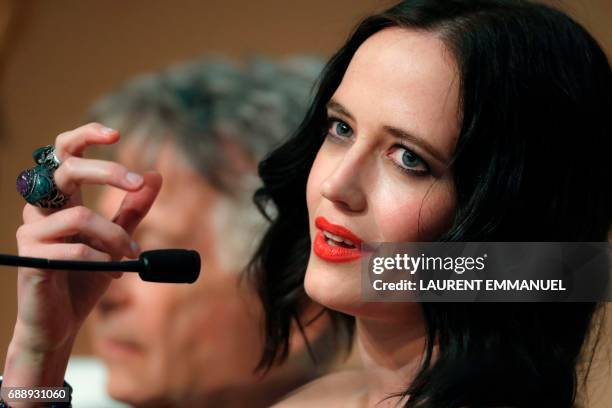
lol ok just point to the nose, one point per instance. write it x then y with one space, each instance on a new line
117 296
344 186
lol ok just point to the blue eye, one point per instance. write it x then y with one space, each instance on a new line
408 161
339 128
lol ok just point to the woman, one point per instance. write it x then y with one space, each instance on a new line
438 120
449 121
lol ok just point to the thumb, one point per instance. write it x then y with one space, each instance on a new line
136 204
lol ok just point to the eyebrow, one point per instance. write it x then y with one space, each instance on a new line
338 107
396 132
422 143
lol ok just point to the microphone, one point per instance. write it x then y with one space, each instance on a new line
162 265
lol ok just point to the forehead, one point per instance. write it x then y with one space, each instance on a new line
180 181
406 78
142 152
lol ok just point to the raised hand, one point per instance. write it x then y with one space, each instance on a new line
52 305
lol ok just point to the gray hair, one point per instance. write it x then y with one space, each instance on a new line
204 104
207 104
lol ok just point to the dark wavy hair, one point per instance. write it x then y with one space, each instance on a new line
532 163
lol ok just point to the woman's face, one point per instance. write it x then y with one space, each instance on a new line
381 174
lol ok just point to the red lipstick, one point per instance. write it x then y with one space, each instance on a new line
335 243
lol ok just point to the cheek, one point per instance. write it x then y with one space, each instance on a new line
420 213
315 178
217 326
153 313
149 319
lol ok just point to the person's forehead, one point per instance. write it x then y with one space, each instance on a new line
399 57
406 79
180 179
141 153
404 40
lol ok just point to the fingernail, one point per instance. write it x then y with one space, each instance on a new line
135 248
134 179
107 131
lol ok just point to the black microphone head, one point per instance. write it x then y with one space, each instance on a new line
170 265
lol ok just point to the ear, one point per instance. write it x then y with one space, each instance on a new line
136 204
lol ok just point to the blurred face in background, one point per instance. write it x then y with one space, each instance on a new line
178 344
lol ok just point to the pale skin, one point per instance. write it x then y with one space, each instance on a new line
398 80
44 335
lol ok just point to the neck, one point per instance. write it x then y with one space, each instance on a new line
392 353
260 394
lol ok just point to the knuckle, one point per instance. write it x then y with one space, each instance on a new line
80 215
30 214
25 250
61 139
67 177
25 213
108 170
78 251
21 234
68 165
92 128
119 238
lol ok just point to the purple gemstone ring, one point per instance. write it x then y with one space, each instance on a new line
37 186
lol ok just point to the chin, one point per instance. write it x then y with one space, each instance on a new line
336 286
122 388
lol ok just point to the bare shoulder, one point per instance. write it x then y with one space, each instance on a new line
344 388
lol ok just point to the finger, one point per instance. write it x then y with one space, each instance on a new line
99 232
69 252
74 142
32 213
64 251
136 205
75 171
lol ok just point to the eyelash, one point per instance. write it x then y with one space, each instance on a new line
421 162
331 121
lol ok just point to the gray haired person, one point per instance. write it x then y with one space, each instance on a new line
204 126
